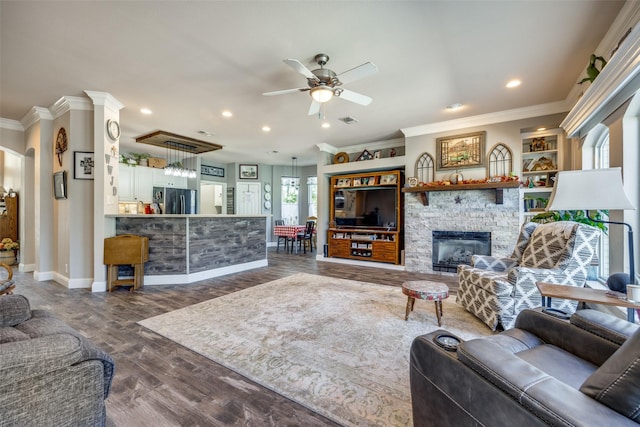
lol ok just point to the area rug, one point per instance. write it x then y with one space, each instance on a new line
339 347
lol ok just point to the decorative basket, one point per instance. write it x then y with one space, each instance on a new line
156 162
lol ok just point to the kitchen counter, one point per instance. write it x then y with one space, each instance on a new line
194 247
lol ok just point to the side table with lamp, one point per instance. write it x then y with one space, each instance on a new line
595 189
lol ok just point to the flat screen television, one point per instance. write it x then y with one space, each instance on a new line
366 207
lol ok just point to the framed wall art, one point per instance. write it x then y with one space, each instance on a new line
60 185
211 171
461 151
83 165
248 171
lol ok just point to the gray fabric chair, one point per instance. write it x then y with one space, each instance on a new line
497 289
544 372
50 375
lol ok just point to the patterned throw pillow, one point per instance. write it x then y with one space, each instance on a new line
549 245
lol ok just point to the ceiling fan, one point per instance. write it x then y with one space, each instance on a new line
324 83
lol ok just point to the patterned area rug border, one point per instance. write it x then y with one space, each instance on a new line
338 347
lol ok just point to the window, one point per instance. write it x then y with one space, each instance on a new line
601 160
290 186
312 195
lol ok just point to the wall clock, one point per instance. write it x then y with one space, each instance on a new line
61 144
113 129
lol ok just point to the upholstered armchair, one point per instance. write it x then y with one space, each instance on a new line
50 375
497 289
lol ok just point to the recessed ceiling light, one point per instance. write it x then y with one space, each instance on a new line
326 125
227 113
455 106
542 128
266 129
514 83
146 111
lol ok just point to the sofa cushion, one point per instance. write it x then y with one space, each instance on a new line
14 309
9 334
44 326
549 245
615 383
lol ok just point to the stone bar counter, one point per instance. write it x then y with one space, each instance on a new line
190 248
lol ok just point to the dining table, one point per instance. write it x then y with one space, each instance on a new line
290 232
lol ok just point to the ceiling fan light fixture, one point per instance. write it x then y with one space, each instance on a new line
321 93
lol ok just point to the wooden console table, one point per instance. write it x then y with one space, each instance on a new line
596 296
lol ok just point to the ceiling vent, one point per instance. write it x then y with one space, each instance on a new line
349 120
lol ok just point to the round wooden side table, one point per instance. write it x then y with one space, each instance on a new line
426 290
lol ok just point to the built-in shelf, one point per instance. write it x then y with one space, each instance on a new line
497 186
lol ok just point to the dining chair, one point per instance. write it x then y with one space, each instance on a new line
306 236
315 238
281 238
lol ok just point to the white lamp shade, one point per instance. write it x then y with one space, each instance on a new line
594 189
321 93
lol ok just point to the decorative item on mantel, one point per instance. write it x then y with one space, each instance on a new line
456 178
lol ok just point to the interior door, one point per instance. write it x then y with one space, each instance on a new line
248 198
212 197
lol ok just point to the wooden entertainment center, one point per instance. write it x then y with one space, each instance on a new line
366 216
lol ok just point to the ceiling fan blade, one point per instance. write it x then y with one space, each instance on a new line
359 72
299 67
314 108
282 92
354 97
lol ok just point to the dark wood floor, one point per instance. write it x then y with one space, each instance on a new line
159 383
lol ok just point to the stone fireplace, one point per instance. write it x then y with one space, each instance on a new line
458 210
451 248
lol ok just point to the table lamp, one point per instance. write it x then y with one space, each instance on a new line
593 189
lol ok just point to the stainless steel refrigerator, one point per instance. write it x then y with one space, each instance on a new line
180 201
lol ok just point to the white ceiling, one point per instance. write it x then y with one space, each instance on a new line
189 61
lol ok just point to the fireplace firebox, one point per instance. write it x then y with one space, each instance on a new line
451 248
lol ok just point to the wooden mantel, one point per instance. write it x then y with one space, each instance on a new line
497 186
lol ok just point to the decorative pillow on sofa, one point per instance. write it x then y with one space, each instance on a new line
615 383
548 245
14 309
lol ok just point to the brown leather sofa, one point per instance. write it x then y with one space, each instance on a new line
545 372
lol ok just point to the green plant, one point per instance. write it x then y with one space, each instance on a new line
592 69
139 156
576 216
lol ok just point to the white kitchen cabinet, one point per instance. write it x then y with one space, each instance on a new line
135 184
126 183
144 184
162 180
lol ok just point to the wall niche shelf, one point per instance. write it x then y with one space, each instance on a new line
497 186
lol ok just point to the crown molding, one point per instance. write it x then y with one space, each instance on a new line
105 99
11 125
378 145
617 82
68 103
34 116
488 119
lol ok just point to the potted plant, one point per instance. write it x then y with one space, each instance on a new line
141 159
576 216
8 250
